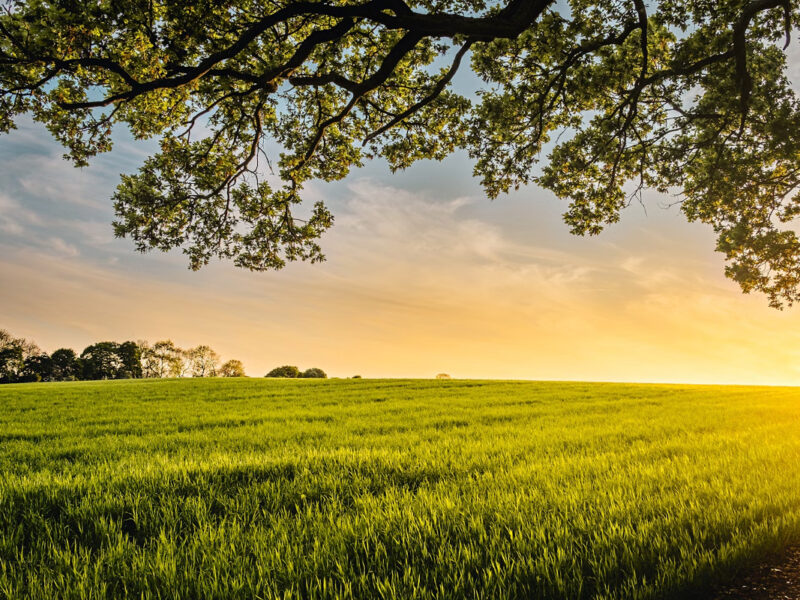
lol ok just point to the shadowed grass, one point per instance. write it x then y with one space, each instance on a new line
390 489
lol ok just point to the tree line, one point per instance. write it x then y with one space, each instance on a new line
22 360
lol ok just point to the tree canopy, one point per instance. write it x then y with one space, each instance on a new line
595 100
203 361
289 371
232 368
314 373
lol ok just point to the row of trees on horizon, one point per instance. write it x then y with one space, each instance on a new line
22 360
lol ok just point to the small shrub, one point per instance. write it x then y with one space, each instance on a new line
314 373
284 371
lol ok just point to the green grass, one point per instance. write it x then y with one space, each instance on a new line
391 489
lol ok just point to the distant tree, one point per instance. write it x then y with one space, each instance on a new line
356 377
202 361
130 356
149 361
101 361
314 373
162 359
184 367
29 348
66 366
232 368
284 371
38 367
11 363
13 353
443 376
176 359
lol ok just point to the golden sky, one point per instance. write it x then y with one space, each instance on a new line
424 275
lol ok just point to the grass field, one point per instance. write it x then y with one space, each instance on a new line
390 489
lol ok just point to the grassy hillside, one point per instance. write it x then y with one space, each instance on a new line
390 489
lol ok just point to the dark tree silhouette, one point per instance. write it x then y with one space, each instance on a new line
38 367
66 365
11 363
13 354
102 361
130 357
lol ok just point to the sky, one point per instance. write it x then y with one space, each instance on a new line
424 275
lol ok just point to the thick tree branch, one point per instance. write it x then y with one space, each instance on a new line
437 90
324 79
743 79
641 11
508 23
390 62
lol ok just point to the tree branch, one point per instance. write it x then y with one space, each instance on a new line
390 62
438 88
743 79
508 23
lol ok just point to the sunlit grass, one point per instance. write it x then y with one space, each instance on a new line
390 489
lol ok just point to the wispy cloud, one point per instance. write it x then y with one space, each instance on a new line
15 219
63 248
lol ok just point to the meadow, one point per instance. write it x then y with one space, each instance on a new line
253 488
